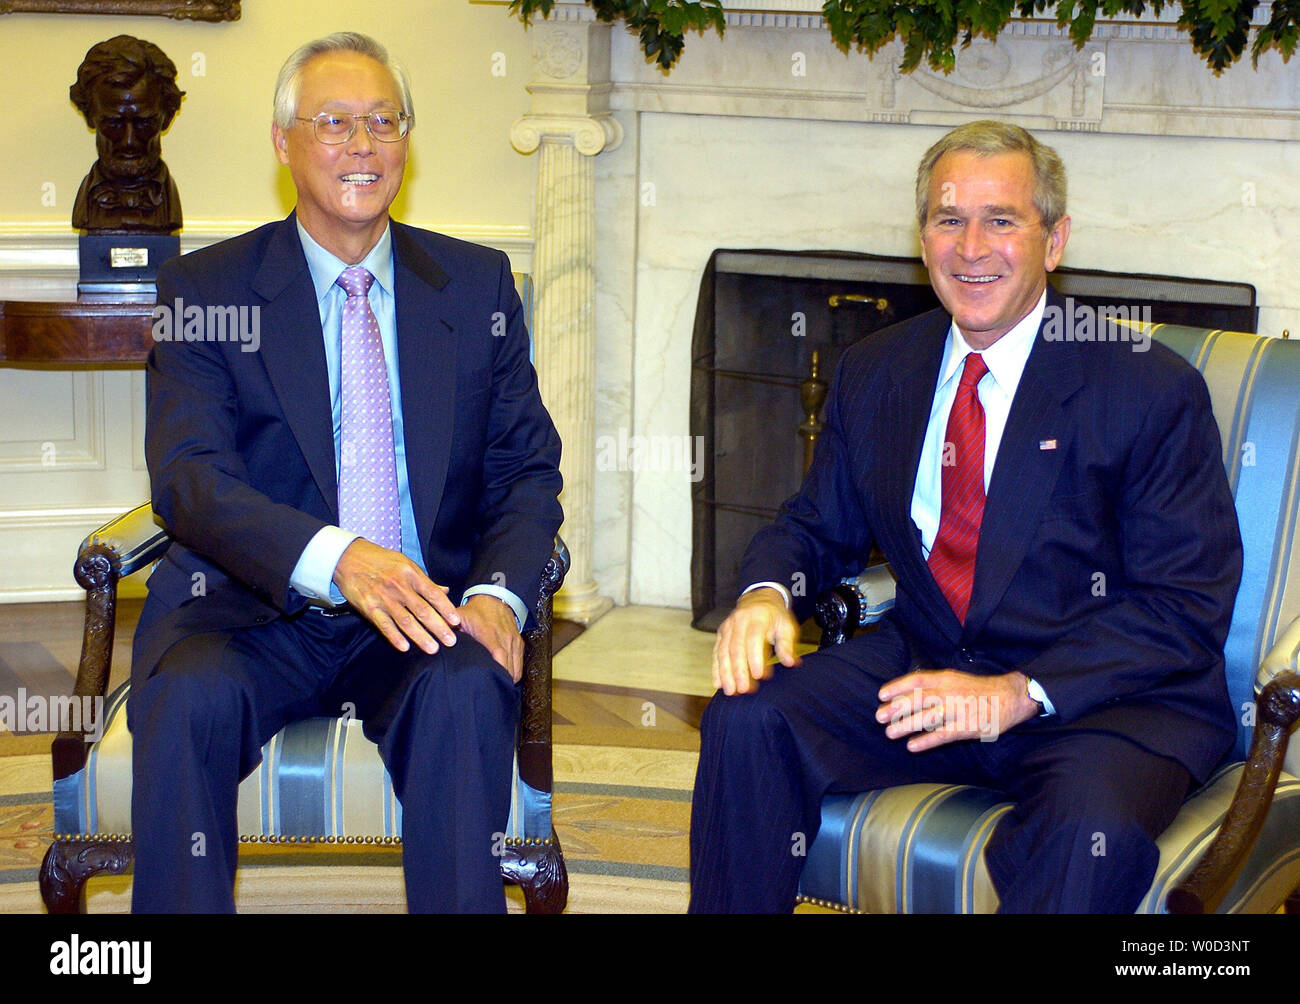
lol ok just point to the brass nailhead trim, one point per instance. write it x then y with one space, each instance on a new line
828 905
529 841
264 838
293 838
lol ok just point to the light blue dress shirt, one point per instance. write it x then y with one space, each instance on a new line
313 575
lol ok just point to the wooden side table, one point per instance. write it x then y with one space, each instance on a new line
86 331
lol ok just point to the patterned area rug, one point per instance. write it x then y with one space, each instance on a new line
622 813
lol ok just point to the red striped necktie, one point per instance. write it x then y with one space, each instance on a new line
952 558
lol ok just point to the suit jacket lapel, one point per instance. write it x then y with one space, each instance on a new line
904 418
426 342
1025 471
293 351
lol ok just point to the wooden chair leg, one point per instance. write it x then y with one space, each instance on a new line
69 863
538 869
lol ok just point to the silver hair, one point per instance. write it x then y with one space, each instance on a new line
986 138
289 81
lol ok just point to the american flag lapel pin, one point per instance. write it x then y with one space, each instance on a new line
1047 444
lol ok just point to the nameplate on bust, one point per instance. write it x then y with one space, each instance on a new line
120 263
128 257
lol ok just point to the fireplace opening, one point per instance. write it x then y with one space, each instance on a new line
761 318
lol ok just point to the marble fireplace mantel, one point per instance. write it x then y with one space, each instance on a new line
1136 76
1133 76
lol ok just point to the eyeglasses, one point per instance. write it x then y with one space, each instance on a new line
335 128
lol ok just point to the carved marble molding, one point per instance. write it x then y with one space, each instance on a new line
1134 76
1052 85
568 124
570 87
589 135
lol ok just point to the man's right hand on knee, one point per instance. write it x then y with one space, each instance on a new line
388 589
759 624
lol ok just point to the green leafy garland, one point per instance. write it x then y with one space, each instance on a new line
661 24
1219 29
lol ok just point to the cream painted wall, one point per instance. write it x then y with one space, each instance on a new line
463 169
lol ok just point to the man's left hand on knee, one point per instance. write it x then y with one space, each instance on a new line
491 623
939 706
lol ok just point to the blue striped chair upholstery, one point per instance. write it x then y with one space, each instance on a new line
919 848
320 781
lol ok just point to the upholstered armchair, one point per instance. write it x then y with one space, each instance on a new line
1235 846
321 781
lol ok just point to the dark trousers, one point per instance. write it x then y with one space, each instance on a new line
1080 840
445 726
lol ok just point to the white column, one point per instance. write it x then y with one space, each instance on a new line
568 124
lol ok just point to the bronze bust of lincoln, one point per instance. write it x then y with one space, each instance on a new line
126 90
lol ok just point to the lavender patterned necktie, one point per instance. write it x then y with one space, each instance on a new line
368 502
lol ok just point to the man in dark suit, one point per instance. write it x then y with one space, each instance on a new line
1058 518
362 489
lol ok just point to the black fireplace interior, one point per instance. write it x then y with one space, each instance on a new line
760 317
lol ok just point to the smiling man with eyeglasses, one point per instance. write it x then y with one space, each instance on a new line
367 501
346 177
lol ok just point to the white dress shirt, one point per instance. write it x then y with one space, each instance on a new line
1006 360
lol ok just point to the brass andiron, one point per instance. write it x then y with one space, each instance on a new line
812 395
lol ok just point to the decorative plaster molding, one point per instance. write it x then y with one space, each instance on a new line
591 134
47 249
742 19
61 517
83 450
47 537
799 15
559 55
987 67
563 12
1132 77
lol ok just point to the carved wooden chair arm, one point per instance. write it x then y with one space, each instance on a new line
116 549
856 602
1277 710
837 613
120 547
535 723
